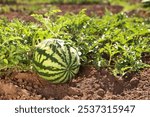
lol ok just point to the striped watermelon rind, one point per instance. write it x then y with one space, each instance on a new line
55 60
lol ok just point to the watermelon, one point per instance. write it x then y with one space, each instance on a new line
56 61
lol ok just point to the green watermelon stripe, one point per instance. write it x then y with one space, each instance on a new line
74 61
42 60
74 66
75 69
55 79
56 52
53 48
72 73
40 51
38 56
46 44
69 77
64 79
40 71
69 53
46 67
48 71
46 74
62 56
65 58
58 44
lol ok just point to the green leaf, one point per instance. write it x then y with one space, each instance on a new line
5 61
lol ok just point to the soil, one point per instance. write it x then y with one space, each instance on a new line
91 9
97 9
89 84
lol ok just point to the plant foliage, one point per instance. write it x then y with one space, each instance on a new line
115 42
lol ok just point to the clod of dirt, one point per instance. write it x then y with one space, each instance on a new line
101 92
134 81
7 89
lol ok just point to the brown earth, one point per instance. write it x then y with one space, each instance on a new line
89 84
90 9
96 9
